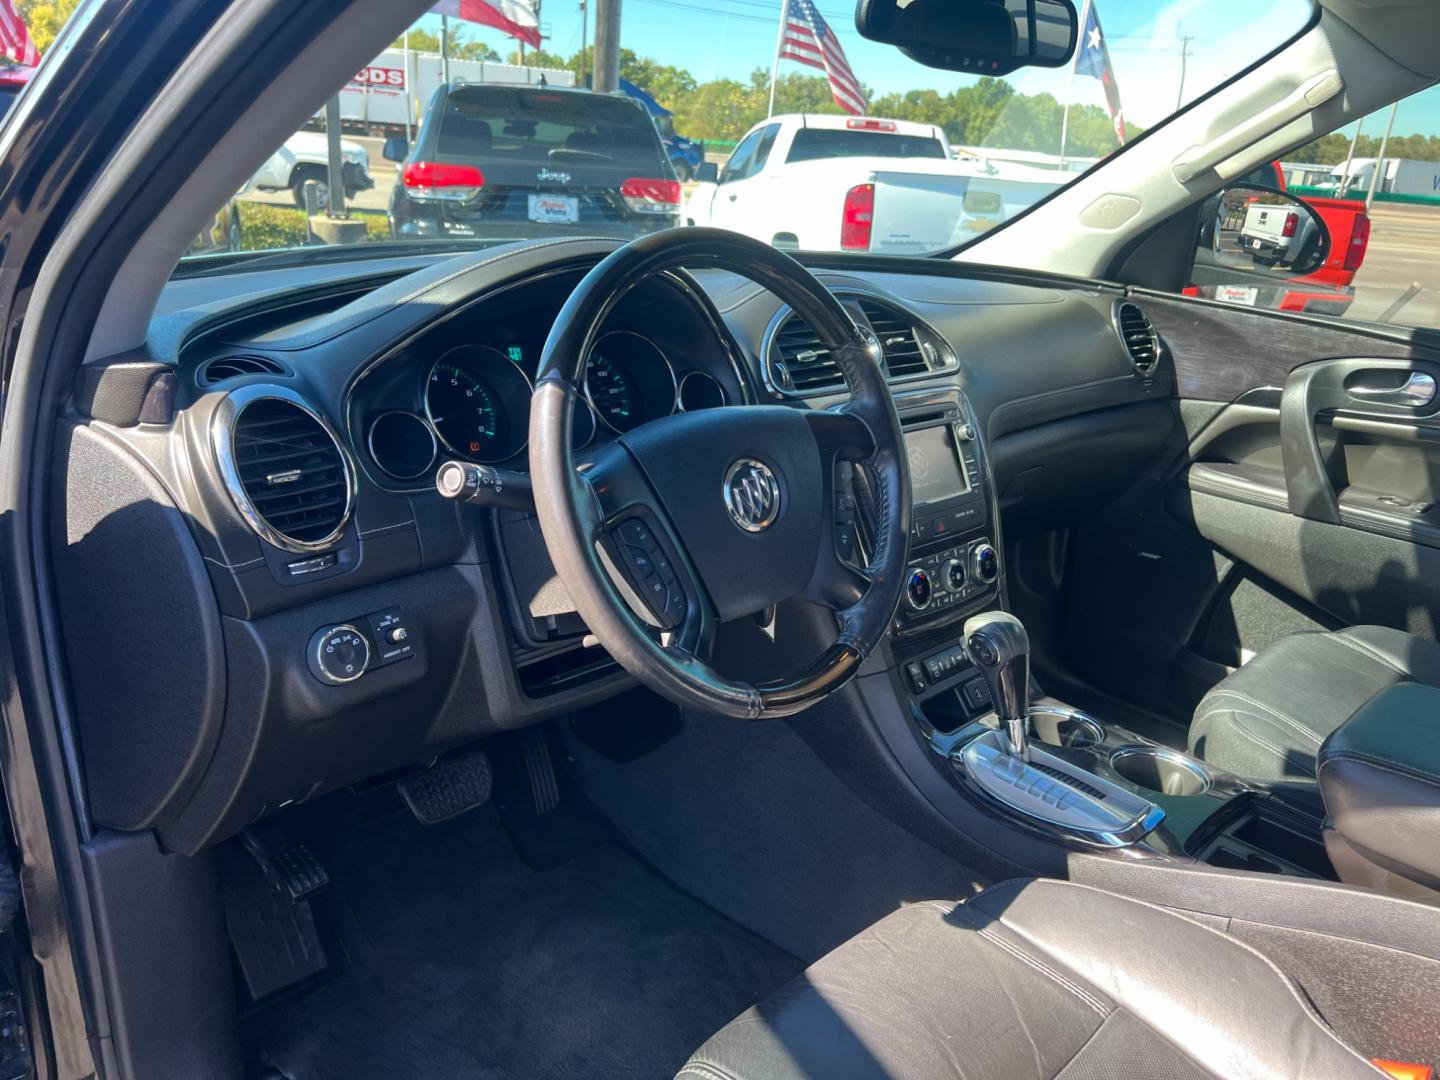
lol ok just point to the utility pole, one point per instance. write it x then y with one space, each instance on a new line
1349 161
607 46
1380 158
584 30
445 47
1184 61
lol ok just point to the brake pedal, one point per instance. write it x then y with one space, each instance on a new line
448 788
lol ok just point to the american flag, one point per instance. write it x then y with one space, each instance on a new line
1093 58
15 40
808 39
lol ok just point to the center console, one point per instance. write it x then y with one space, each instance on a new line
954 562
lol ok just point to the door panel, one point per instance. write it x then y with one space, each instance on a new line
1308 498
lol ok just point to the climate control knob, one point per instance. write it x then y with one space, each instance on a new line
917 589
952 575
339 654
985 563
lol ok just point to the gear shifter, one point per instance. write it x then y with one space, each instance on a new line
999 646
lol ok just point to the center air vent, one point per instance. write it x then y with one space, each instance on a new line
224 368
1137 334
905 353
287 473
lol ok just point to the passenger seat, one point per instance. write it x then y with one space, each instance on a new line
1268 719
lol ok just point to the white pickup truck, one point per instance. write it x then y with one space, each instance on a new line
1276 235
305 156
838 183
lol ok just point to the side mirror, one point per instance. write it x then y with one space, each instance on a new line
1253 238
980 37
708 173
396 149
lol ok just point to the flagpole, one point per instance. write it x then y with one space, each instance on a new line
1070 89
775 64
409 93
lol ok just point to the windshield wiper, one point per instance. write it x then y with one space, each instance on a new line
319 254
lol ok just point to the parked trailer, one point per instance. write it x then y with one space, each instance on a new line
374 102
1400 176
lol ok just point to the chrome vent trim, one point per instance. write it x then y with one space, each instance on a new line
905 353
284 467
1138 337
224 369
794 364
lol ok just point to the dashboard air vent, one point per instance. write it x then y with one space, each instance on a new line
289 476
904 353
224 368
800 364
1137 334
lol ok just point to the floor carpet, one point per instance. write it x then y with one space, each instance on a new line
458 961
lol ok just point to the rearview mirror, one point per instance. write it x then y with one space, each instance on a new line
396 149
985 37
707 172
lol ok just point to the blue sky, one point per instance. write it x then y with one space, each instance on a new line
730 38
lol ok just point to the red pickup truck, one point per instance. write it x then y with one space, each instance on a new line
1327 290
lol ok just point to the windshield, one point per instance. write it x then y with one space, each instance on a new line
864 150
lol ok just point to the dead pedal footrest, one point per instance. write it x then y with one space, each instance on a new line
448 788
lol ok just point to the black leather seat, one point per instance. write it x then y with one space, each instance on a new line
1268 719
1033 980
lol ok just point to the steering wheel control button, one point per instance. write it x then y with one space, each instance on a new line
339 654
917 589
752 495
985 561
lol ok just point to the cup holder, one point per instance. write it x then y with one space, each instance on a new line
1165 771
1054 725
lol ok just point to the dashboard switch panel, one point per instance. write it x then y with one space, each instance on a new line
343 652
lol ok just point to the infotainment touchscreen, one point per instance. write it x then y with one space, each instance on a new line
936 473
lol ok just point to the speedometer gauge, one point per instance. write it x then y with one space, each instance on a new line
628 381
478 402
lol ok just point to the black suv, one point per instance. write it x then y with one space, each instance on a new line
515 162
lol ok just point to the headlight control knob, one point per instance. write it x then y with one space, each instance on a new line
338 654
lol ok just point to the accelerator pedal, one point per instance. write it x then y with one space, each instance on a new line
448 788
544 786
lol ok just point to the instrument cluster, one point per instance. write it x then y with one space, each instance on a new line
458 395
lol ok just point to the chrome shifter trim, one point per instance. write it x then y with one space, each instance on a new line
1088 808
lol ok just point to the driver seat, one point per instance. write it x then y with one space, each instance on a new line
1033 980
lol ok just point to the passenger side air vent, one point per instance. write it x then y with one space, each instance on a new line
799 363
288 474
1137 334
224 368
905 353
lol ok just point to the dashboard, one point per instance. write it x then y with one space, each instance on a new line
263 474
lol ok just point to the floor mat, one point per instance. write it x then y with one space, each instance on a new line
463 962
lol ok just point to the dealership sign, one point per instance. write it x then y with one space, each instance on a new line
379 80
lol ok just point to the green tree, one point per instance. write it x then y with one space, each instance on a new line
462 47
45 18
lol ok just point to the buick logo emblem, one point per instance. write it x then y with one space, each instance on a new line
752 495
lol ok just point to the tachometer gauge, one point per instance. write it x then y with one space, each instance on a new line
628 381
478 402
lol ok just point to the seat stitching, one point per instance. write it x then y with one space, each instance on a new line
1284 755
1370 652
704 1070
1034 962
1306 1007
1289 720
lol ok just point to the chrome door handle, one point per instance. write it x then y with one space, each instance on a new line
1418 390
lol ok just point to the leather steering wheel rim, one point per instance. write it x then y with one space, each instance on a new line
576 508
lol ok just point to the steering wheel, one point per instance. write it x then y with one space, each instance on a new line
721 513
